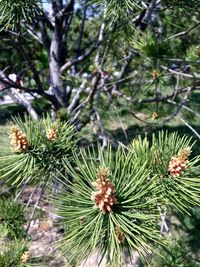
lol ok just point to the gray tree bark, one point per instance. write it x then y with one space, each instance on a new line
20 99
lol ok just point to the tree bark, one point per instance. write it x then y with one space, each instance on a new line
20 99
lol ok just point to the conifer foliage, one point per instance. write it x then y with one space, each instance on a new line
110 206
13 12
15 255
177 174
111 200
116 199
35 150
184 4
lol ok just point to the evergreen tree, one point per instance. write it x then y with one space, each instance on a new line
71 56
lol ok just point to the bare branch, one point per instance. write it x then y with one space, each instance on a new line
87 53
183 33
65 10
190 127
74 61
158 98
21 100
179 73
76 98
31 32
184 107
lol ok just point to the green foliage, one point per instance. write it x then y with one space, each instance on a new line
193 55
150 46
135 214
43 156
15 11
176 254
183 4
178 192
117 10
11 219
118 15
145 187
12 255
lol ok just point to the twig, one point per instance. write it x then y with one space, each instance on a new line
164 227
163 98
103 131
178 72
190 127
20 192
82 57
77 96
184 107
37 202
30 197
183 33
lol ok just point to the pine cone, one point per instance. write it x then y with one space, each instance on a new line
155 74
18 140
104 196
178 164
154 116
52 133
25 257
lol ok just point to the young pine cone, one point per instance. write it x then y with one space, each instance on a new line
104 196
155 74
52 133
18 140
178 164
25 257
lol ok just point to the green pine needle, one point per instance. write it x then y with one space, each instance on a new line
43 157
14 11
180 192
135 214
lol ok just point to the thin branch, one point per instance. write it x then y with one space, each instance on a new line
90 98
163 98
100 39
43 189
65 10
81 58
44 36
47 20
190 127
156 99
10 84
183 33
180 106
103 131
76 98
164 227
184 107
87 53
31 32
179 72
141 120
